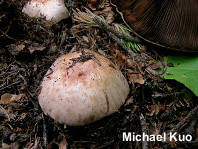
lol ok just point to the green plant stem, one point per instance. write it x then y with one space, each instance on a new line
119 42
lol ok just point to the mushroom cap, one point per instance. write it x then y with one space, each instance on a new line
167 23
53 10
82 87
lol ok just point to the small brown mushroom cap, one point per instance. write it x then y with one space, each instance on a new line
82 87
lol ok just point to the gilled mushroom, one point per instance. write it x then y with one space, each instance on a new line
167 23
82 87
53 10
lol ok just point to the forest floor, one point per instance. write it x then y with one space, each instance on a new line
28 47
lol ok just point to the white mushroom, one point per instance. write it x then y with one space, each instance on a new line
53 10
82 87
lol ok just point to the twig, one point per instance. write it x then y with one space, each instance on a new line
191 129
116 39
4 33
180 124
90 19
4 86
144 130
108 28
45 142
94 20
5 113
36 143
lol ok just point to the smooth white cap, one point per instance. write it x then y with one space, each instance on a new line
76 91
53 10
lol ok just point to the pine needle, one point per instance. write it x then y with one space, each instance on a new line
126 31
91 20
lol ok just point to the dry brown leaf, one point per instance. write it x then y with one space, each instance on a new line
6 113
15 49
135 77
36 48
155 109
151 108
53 48
63 144
5 98
153 64
161 107
129 101
17 97
5 146
108 14
120 59
86 39
130 63
23 46
93 4
143 49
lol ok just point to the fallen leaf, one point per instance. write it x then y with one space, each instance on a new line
5 98
108 14
5 113
36 48
143 49
17 97
86 39
15 49
120 59
153 64
129 101
63 144
93 4
5 146
135 77
154 109
151 109
130 63
157 109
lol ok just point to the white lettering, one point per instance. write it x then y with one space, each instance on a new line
152 138
126 137
138 136
173 136
145 137
159 137
164 137
181 138
133 136
188 138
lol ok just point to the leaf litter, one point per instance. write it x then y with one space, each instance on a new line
29 46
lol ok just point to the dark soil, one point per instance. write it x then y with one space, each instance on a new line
29 46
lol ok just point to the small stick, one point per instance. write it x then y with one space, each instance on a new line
116 39
91 19
45 142
108 28
180 124
144 130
